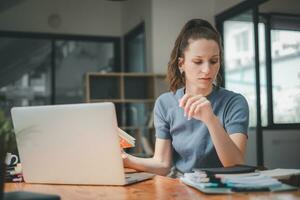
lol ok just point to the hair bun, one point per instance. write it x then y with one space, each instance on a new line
198 23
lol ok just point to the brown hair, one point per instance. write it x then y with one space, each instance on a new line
194 29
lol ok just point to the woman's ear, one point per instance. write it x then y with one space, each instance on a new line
180 64
180 61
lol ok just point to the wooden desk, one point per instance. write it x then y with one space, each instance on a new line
157 188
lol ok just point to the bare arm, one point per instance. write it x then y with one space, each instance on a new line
230 148
159 164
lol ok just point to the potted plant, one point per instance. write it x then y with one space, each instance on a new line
7 143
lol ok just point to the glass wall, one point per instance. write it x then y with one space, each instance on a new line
276 61
239 59
25 77
31 74
263 74
240 70
72 60
285 52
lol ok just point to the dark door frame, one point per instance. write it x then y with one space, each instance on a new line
140 28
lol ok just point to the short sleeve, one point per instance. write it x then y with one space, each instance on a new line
162 127
237 115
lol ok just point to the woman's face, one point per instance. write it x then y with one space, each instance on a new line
201 63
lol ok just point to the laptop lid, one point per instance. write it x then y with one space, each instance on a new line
69 144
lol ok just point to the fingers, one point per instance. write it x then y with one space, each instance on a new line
186 101
124 155
199 106
183 100
195 107
192 104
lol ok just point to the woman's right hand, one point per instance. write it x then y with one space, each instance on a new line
197 107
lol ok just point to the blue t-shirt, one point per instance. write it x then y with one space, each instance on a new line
191 141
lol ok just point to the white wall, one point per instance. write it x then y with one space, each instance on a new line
88 17
169 16
222 5
135 12
281 148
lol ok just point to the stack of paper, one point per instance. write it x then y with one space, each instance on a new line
222 176
281 173
259 181
209 182
252 180
126 140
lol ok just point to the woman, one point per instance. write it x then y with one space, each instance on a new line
198 124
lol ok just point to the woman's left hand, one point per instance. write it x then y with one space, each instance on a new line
124 156
197 107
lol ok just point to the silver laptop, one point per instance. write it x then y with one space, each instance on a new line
71 144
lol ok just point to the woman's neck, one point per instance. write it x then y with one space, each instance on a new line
198 91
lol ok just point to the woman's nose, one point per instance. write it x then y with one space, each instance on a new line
206 67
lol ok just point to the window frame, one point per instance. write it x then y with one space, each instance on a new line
234 11
267 20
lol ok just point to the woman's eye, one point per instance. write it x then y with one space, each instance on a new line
214 61
198 62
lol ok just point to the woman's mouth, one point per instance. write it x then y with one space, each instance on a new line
204 79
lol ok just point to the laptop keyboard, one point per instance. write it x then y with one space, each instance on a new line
127 176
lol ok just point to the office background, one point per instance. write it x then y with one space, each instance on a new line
46 47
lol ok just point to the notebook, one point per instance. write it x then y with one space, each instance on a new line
228 170
71 144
